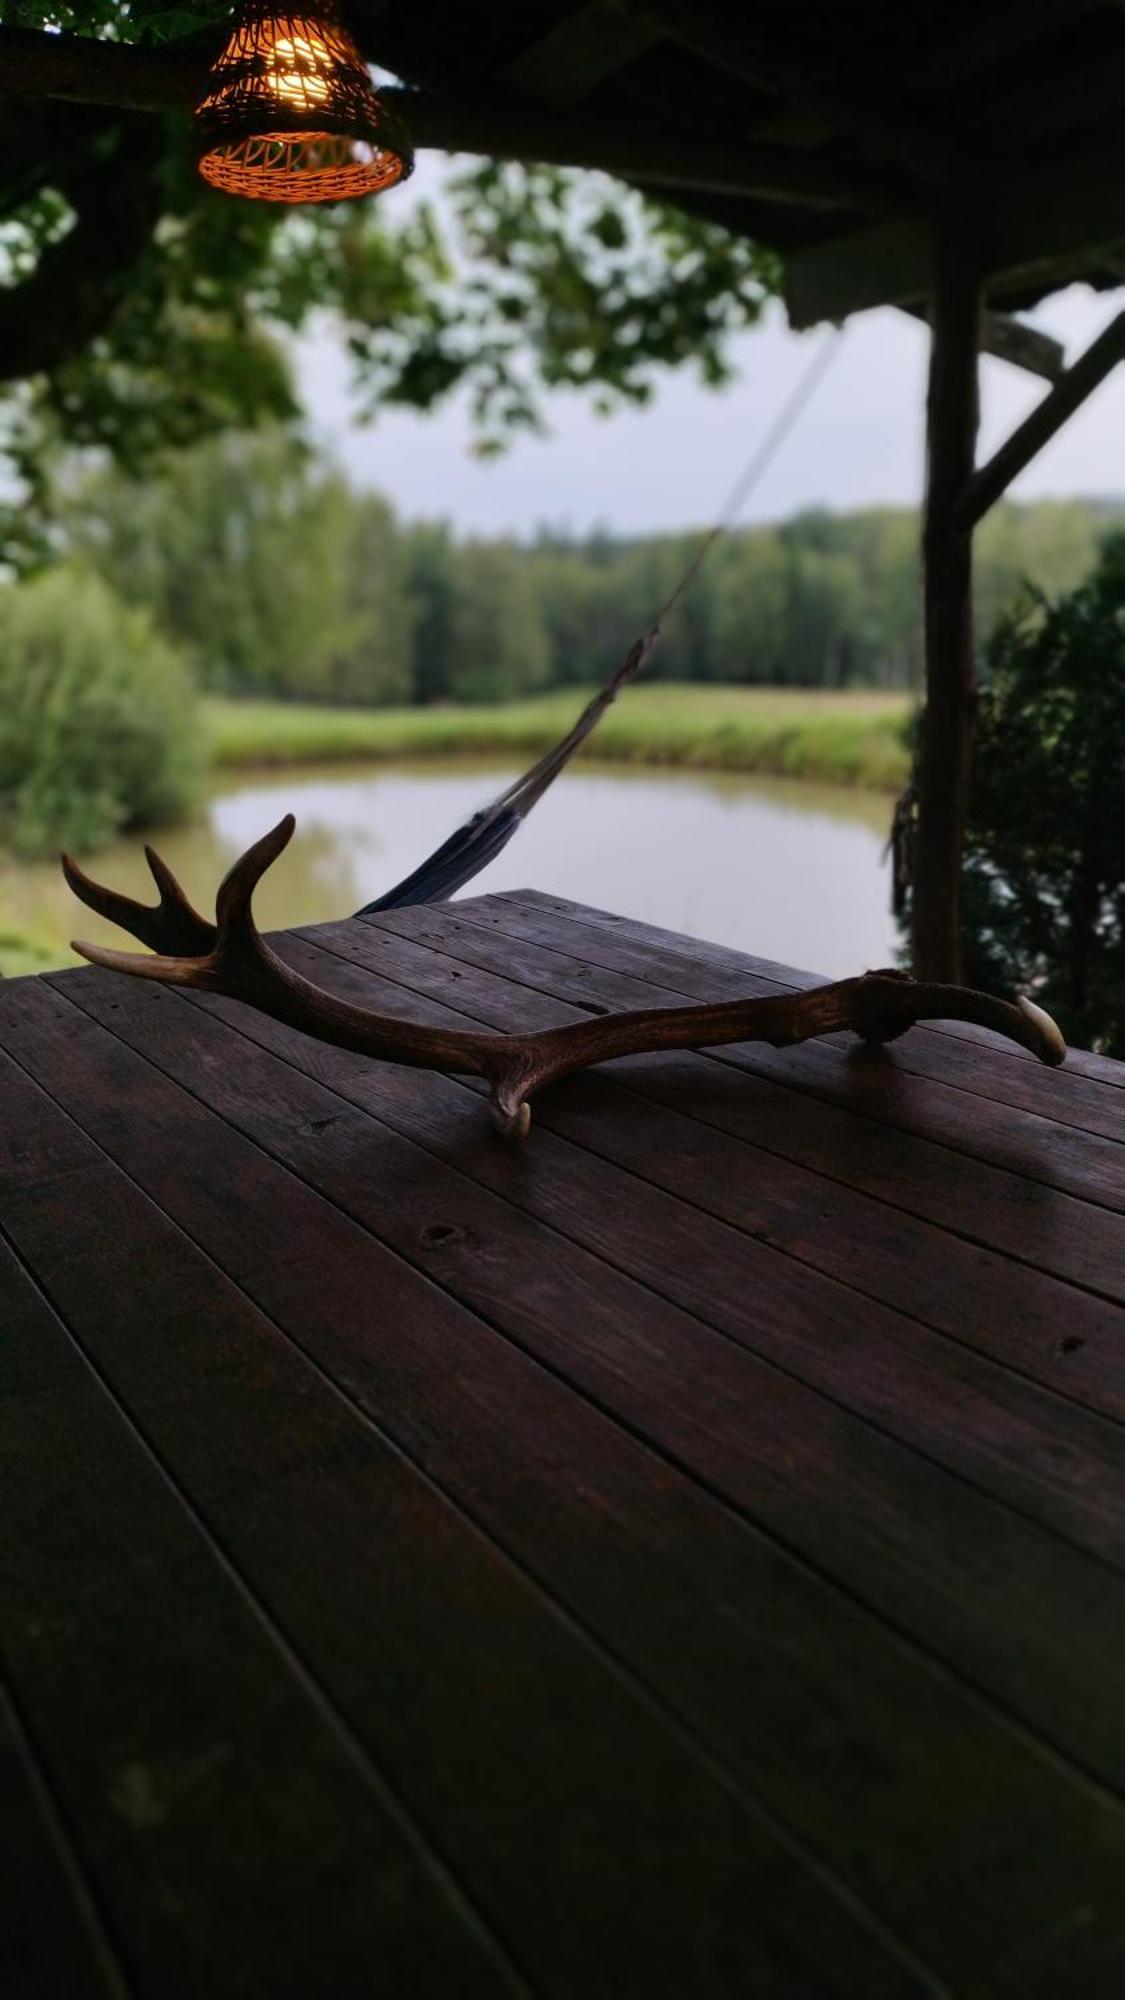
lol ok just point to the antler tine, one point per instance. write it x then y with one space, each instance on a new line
175 904
149 965
173 925
1041 1035
233 912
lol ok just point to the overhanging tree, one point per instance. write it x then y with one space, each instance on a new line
140 310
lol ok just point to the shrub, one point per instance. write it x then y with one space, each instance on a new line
97 717
1045 850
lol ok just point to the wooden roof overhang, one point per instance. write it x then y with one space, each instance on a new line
831 134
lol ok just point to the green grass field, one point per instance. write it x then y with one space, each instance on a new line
846 738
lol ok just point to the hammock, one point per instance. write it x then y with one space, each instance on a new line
488 832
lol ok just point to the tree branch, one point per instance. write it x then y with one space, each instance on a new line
88 71
78 283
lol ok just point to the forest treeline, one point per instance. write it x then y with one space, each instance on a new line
258 560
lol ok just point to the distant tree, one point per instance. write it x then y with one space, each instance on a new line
255 553
821 616
263 563
751 611
1045 851
432 566
580 603
372 660
498 642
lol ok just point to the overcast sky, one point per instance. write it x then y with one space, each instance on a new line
671 465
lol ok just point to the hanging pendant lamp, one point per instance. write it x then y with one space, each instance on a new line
291 113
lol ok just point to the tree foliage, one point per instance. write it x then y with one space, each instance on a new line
497 642
140 309
254 555
1045 851
261 563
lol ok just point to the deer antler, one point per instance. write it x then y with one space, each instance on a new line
231 957
172 925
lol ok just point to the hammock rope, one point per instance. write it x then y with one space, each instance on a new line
488 832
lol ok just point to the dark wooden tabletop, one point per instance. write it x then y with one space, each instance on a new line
680 1556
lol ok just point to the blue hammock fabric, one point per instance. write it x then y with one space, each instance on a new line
488 832
454 863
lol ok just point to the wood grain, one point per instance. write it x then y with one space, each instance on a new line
709 1607
937 1557
1025 1317
214 1804
679 952
539 1775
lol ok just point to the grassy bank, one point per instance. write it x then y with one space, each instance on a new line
846 738
24 951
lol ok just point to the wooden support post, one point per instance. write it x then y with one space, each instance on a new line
946 750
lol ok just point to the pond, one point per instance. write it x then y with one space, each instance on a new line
790 870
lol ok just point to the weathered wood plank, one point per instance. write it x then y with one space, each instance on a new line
954 1052
998 1207
52 1941
966 1116
545 1777
992 1594
1030 1320
1039 1452
215 1805
691 951
802 1691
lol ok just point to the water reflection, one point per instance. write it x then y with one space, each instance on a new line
791 870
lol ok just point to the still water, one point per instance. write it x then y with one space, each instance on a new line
790 870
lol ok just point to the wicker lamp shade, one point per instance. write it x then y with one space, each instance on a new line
292 115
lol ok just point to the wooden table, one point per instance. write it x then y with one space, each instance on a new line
682 1556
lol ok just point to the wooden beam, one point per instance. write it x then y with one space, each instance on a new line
1009 339
123 75
741 215
1077 91
950 712
992 36
638 147
882 264
755 44
578 53
985 487
1045 225
1006 338
504 127
599 40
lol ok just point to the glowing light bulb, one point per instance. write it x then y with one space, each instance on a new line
301 74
